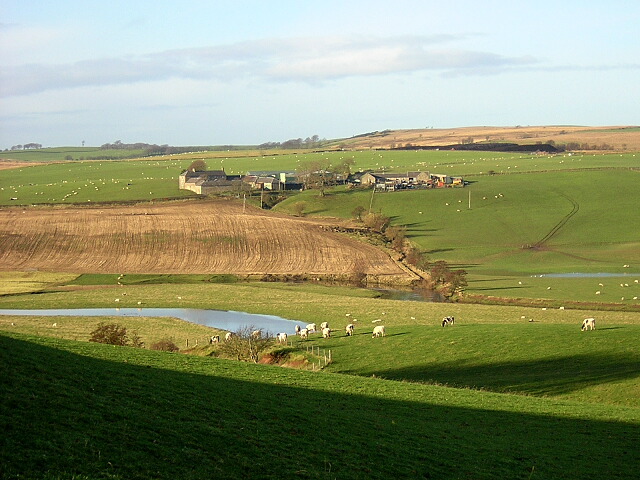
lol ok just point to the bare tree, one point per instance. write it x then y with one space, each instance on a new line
247 344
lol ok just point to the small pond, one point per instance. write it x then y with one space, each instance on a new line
586 275
222 319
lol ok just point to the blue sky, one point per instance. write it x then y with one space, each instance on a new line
244 72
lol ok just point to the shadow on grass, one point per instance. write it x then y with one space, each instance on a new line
554 376
77 410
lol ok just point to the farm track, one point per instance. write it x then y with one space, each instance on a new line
179 237
557 227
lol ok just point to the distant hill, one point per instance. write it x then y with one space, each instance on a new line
618 138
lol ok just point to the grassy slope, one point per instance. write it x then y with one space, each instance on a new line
492 347
78 410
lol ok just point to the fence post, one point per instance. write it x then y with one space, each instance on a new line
187 343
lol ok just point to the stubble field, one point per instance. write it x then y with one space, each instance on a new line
181 237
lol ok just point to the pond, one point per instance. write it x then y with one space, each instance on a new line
222 319
586 275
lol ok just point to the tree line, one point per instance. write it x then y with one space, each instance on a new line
26 146
309 142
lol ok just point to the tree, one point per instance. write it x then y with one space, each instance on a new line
298 208
315 175
357 212
198 166
110 333
246 344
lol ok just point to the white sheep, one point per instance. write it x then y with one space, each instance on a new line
282 337
228 336
311 328
214 339
349 329
378 331
324 325
304 334
588 324
297 329
326 332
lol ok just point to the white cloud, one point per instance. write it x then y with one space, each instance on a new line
296 59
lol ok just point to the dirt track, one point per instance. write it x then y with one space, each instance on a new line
181 237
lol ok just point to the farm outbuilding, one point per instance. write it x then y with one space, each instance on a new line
209 181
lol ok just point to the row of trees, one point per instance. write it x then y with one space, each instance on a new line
309 142
440 276
26 146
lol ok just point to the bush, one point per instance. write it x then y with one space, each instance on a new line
109 333
165 345
114 334
376 222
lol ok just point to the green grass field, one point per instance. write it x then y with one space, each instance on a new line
495 388
79 410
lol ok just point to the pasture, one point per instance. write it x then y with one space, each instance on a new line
494 385
121 412
524 350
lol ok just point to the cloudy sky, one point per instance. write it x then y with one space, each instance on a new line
198 72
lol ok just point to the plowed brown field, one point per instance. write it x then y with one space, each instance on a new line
182 237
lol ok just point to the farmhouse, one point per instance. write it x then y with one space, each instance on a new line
209 181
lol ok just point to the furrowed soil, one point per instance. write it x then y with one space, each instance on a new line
184 237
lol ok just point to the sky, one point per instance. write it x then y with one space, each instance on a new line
198 72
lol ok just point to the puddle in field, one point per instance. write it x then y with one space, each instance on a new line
222 319
586 275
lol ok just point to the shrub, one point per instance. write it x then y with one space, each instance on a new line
109 333
298 208
114 334
165 345
376 222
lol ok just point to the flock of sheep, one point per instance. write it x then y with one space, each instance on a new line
304 333
378 330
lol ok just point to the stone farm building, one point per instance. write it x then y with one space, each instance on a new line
399 181
216 181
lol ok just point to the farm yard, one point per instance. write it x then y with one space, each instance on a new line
509 390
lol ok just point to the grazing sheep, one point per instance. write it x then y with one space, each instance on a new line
311 328
304 334
228 336
326 332
378 331
297 329
349 329
324 325
256 334
588 323
214 339
282 337
448 321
